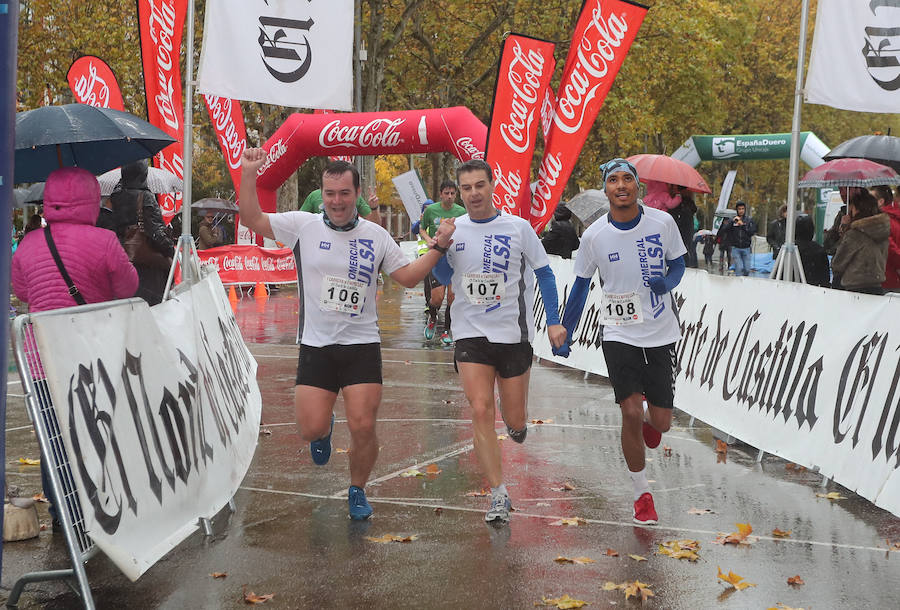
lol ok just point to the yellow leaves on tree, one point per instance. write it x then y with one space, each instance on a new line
388 538
742 536
562 603
734 580
680 549
574 560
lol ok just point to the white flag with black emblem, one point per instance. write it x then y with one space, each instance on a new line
855 59
282 52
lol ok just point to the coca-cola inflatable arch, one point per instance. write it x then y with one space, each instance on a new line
302 136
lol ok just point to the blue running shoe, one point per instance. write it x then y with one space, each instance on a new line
360 509
320 450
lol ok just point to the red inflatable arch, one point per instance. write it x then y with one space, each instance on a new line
302 136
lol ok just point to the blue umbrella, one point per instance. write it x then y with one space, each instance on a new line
96 139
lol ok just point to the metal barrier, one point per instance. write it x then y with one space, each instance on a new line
39 405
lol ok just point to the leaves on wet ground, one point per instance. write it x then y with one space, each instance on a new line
742 536
542 421
388 538
631 589
570 521
638 557
795 581
781 606
29 461
432 470
667 451
735 580
790 466
832 495
892 546
412 472
701 511
781 533
502 437
40 497
564 487
612 552
339 450
574 560
563 603
680 549
721 446
252 598
219 574
266 432
478 494
438 510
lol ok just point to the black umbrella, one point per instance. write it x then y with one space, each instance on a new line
96 139
881 149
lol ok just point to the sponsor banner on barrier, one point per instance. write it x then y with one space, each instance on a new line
228 123
161 30
159 411
93 83
250 264
288 53
603 35
855 59
809 374
526 67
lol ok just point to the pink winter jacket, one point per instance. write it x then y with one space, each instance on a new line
658 196
94 258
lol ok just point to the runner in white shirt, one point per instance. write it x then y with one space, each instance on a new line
492 263
638 252
339 257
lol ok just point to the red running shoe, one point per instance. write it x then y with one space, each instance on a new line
644 511
652 437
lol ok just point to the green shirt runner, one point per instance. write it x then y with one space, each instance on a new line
313 203
432 215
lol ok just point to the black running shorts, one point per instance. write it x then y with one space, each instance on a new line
334 366
642 370
510 359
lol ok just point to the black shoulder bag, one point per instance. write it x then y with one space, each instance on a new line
73 289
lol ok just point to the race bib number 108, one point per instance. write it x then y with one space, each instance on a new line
621 309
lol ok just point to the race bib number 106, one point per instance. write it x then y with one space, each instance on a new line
342 295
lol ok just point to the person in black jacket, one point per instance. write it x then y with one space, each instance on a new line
132 195
740 231
560 238
684 214
812 255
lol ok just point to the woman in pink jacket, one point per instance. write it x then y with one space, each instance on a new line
93 258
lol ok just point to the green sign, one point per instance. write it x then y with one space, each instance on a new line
746 147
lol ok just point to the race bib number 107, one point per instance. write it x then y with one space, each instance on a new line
484 288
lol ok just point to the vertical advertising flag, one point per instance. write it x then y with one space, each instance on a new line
855 58
281 52
162 27
228 123
607 29
526 67
92 82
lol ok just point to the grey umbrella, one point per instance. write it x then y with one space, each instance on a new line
881 149
30 195
158 181
214 203
589 205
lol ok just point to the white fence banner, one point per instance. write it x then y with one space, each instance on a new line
855 59
159 411
284 52
809 374
412 193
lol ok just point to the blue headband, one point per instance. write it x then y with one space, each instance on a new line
618 165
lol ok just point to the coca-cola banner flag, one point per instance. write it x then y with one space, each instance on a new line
93 83
162 26
855 58
548 107
607 27
526 67
282 52
228 122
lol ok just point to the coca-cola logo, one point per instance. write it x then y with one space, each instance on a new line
232 263
170 161
548 175
162 33
466 145
506 190
92 89
275 153
377 133
233 144
524 78
596 51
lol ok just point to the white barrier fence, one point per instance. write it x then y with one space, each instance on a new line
158 408
808 374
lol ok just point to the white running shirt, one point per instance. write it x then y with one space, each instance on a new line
626 260
339 263
504 250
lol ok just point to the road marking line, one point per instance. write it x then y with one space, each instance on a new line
623 524
671 489
28 427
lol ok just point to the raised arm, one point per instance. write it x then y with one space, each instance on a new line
415 272
252 215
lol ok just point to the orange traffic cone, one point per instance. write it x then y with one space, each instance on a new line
260 291
232 296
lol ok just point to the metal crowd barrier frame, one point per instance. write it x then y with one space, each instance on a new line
39 405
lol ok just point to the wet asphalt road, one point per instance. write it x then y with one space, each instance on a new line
291 536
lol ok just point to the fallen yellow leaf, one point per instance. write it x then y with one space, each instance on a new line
611 586
781 606
565 487
415 472
575 560
893 546
388 538
721 446
667 451
502 437
734 580
29 461
219 574
253 598
832 496
638 588
433 469
794 467
612 552
542 421
795 580
572 521
701 511
638 558
680 549
742 536
339 450
781 533
40 497
563 603
477 494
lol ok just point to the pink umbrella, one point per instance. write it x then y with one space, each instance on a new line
850 172
671 171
